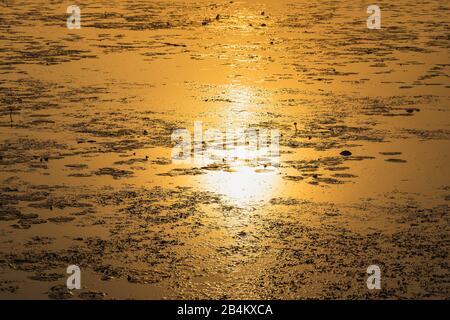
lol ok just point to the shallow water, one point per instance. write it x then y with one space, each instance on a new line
85 144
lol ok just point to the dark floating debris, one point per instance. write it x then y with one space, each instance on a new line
393 153
42 276
59 292
92 295
396 160
115 173
174 45
242 234
344 175
60 219
345 153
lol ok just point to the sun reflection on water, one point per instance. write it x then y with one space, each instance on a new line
243 185
250 164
